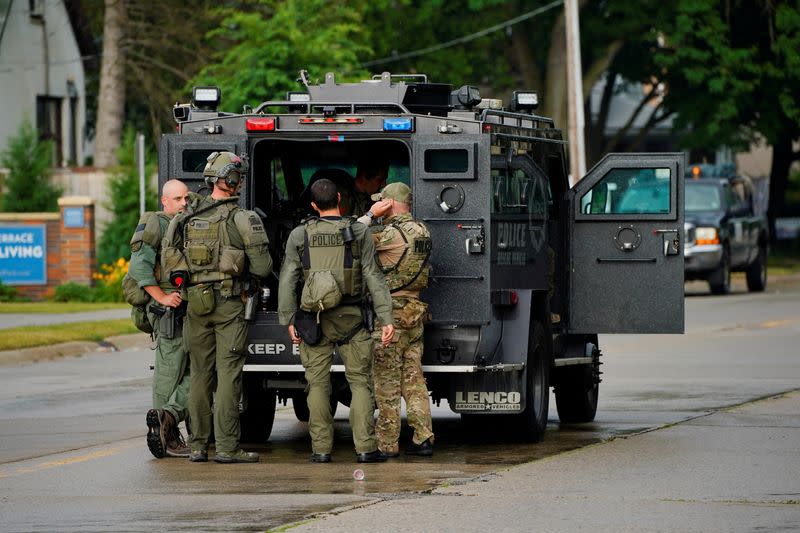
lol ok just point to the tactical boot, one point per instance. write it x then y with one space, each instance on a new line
239 456
198 456
159 428
176 446
424 450
371 457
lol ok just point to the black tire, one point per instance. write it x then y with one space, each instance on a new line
576 399
720 280
532 422
757 271
300 406
257 420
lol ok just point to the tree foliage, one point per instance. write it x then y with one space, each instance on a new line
29 161
123 187
260 50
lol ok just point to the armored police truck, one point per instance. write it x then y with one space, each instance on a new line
526 270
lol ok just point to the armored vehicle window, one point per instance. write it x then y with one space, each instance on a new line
629 190
195 160
446 161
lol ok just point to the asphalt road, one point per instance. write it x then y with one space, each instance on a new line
73 456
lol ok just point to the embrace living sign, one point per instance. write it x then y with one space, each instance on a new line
23 254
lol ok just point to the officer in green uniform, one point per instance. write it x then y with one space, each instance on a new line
171 372
403 247
335 257
220 248
370 178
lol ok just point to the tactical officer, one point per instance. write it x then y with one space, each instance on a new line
370 178
404 248
171 373
218 248
335 257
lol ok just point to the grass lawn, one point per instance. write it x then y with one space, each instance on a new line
28 336
58 307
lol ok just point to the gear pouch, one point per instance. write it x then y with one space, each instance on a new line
409 315
307 327
201 299
134 294
231 261
320 291
140 320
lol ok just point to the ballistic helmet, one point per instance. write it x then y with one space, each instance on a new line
225 165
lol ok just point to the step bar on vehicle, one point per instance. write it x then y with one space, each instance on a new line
456 369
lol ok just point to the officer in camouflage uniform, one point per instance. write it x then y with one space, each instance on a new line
221 247
171 372
403 247
333 254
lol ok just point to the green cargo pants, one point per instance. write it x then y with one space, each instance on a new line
338 325
216 343
170 372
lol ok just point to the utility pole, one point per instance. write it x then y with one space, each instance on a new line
577 150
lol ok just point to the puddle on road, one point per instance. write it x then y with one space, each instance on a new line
458 457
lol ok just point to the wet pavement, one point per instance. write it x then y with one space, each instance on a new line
73 455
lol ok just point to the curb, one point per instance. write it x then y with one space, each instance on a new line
72 349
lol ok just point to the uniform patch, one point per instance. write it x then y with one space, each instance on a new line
135 247
140 227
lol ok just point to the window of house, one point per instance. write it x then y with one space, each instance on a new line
48 124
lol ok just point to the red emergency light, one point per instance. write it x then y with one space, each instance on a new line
260 124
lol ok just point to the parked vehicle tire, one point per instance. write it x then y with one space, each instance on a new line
720 280
757 271
257 419
300 406
576 399
532 422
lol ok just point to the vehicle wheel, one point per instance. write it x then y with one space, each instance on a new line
256 421
300 406
720 280
532 422
757 271
576 400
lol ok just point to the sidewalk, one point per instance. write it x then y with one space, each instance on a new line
731 470
15 320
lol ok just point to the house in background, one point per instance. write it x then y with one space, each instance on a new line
43 45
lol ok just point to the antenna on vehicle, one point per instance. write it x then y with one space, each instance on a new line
303 77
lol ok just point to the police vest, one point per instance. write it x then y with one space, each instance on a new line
325 249
412 270
197 241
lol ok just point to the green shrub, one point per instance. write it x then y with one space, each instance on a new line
29 160
74 292
123 190
8 293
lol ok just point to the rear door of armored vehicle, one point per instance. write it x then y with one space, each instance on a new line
626 247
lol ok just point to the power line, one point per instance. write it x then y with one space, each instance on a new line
465 38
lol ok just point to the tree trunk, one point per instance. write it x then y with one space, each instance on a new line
782 158
111 101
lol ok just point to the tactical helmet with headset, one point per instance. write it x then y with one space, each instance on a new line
226 165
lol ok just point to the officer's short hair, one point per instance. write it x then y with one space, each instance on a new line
324 194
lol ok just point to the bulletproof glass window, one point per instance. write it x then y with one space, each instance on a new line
195 160
441 161
702 197
629 191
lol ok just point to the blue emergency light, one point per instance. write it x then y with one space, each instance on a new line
398 124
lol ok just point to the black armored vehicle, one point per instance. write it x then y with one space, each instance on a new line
526 271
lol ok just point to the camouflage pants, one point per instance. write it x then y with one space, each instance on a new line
397 372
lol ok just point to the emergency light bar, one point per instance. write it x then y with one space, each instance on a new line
330 120
398 124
